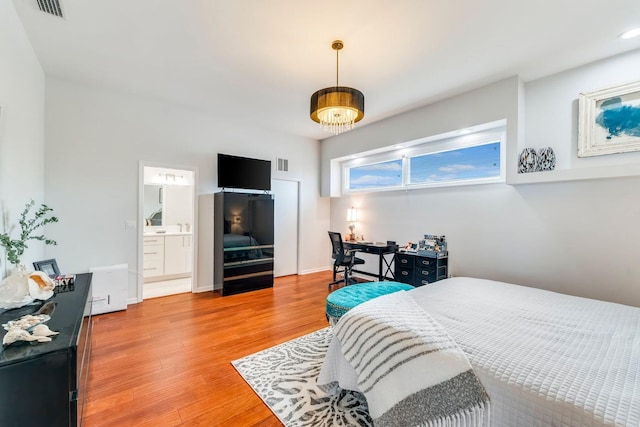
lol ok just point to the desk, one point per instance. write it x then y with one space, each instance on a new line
385 272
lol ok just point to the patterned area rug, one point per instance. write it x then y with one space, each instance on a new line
284 377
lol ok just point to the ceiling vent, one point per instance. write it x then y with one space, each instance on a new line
283 165
52 7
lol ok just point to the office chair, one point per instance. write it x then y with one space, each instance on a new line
342 258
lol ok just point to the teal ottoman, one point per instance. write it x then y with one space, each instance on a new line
344 299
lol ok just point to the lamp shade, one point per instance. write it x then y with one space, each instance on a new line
352 215
337 108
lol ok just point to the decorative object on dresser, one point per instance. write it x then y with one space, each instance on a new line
45 384
609 120
528 161
14 248
243 241
49 266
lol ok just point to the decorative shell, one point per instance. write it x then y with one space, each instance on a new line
14 291
17 334
43 330
26 322
41 286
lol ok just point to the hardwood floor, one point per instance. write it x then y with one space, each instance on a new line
166 361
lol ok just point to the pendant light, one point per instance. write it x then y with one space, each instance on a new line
337 108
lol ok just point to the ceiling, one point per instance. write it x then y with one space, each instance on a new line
262 60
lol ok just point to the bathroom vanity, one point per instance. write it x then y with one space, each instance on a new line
167 255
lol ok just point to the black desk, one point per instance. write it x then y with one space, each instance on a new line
385 271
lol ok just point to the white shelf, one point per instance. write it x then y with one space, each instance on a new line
576 174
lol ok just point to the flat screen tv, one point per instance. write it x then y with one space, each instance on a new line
243 172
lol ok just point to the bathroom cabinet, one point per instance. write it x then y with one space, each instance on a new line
167 256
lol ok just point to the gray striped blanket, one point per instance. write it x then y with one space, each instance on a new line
409 369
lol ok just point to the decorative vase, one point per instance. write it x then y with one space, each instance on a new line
546 159
528 161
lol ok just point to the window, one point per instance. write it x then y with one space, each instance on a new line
376 175
476 158
471 163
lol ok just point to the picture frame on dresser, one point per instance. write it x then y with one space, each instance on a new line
47 266
609 120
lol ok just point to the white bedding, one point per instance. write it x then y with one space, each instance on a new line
546 359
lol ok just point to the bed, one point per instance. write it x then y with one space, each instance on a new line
544 358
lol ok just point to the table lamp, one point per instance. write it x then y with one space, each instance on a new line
352 217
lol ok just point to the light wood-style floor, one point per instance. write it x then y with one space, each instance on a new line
166 361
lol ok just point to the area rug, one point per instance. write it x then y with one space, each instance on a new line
284 377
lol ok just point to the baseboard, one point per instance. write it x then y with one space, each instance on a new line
132 301
315 270
204 288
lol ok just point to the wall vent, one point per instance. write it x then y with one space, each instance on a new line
52 7
283 165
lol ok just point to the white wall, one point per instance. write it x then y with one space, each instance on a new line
21 126
576 237
95 141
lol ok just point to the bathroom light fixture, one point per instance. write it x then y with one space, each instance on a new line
337 108
630 34
170 177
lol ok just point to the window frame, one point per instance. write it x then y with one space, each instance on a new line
423 147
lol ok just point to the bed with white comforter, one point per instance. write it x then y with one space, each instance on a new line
545 359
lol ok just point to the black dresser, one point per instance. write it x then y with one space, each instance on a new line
419 270
45 384
243 242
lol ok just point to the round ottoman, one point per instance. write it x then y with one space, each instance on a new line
344 299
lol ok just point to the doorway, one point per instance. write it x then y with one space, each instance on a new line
286 194
168 197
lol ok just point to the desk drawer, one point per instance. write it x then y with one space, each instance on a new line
403 260
425 275
426 263
404 275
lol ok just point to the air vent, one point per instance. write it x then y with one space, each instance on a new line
52 7
283 165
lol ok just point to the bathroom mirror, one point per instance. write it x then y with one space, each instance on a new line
153 200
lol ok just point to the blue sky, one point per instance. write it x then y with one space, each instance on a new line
481 161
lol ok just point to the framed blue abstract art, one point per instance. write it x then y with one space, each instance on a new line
609 121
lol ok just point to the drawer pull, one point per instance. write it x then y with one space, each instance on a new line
424 282
150 253
405 273
152 268
404 261
425 262
425 272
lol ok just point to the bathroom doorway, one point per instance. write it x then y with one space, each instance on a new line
168 197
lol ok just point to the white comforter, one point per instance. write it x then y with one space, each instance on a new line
546 359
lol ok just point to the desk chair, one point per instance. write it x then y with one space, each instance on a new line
342 258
